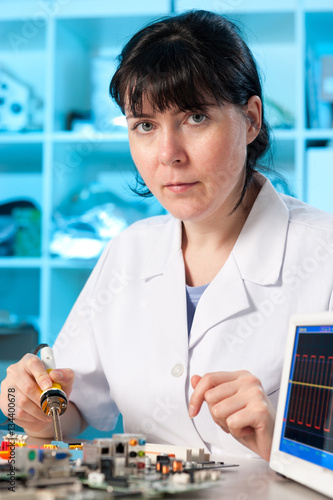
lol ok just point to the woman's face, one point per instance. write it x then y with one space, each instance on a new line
194 162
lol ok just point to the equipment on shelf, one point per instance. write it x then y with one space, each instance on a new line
18 104
20 229
107 116
85 222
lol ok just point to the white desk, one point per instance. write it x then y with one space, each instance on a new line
254 480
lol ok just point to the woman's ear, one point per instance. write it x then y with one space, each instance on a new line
253 112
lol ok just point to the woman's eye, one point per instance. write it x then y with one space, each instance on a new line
145 126
197 117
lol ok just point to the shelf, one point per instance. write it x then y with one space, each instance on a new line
95 137
20 262
39 11
318 5
86 8
57 263
21 137
284 134
238 6
325 134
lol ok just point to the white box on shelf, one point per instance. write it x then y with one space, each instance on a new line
320 178
107 117
327 78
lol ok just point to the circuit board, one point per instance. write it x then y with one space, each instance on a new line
121 466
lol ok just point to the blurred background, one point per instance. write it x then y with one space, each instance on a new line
65 166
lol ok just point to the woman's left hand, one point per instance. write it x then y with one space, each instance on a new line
238 404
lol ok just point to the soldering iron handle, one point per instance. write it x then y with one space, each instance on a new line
47 357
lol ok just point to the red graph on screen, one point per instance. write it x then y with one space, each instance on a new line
311 404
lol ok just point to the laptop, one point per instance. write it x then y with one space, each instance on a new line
302 447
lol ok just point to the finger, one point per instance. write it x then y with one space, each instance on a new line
35 367
253 431
208 381
64 377
195 380
238 424
221 392
222 410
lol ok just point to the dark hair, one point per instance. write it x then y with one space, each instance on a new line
184 61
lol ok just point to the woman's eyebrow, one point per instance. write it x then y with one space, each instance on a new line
144 115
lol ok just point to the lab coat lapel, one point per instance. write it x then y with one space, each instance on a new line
165 291
225 297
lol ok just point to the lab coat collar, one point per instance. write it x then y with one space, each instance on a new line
258 251
167 243
260 247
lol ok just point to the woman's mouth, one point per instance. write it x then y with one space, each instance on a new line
179 187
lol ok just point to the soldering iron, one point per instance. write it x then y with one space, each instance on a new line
53 401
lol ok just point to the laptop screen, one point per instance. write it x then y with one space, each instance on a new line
307 430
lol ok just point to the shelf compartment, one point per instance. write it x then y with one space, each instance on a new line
78 165
319 175
20 291
319 42
25 157
66 285
23 58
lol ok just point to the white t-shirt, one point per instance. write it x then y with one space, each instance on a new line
127 339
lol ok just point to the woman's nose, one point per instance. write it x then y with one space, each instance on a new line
171 148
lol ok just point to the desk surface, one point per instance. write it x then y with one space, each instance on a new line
252 480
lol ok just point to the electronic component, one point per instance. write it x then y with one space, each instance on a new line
181 452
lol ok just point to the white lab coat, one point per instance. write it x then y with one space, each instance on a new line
126 337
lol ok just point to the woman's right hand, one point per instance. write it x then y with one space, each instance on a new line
26 380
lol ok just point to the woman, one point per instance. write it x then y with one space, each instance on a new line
181 325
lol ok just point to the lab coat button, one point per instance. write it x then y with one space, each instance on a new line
177 370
